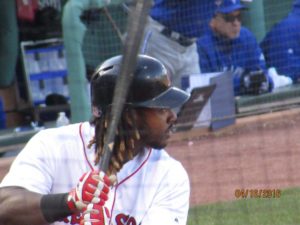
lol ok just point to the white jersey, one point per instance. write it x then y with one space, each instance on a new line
152 188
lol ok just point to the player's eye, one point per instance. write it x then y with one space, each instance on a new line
163 110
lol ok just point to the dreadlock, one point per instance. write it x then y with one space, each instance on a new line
126 135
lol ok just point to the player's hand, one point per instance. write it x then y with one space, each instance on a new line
95 214
93 187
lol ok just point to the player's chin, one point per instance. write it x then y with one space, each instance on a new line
163 142
159 141
159 147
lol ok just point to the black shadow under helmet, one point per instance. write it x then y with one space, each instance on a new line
150 87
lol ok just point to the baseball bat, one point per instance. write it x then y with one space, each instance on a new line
135 29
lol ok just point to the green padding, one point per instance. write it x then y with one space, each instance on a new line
77 36
8 42
101 40
275 10
280 97
255 13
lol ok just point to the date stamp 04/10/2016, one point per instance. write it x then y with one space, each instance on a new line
257 193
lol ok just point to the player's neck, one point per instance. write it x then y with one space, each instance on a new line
138 148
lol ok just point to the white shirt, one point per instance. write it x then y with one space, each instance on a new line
152 188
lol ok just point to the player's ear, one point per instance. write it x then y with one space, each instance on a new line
96 112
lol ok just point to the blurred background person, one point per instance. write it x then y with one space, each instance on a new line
228 46
281 45
171 34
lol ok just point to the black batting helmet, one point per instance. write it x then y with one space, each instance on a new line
150 85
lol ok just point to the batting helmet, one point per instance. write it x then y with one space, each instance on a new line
150 85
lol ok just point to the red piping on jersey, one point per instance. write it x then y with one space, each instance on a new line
126 178
84 149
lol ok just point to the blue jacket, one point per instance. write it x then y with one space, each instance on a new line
187 17
281 46
217 54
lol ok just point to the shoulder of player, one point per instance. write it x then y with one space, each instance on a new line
54 141
69 130
56 136
167 163
162 155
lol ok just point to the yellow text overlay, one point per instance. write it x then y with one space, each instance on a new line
257 193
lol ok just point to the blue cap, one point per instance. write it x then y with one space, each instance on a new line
228 6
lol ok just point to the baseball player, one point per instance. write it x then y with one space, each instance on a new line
171 33
55 179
